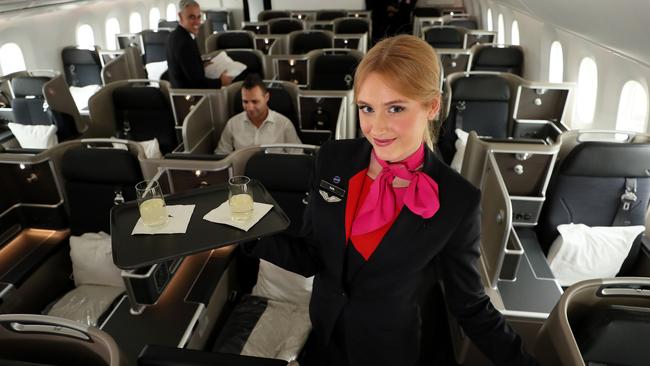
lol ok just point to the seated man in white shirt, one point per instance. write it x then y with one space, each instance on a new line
257 124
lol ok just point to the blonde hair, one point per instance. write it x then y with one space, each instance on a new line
410 65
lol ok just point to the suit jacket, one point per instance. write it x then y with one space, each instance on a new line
380 310
184 62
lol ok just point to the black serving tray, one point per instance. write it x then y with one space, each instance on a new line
133 251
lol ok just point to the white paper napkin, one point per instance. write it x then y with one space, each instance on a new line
177 221
221 215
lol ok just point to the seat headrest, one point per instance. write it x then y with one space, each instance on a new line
281 172
352 25
268 15
95 165
310 40
234 40
250 59
284 26
330 15
465 23
139 98
155 37
335 63
168 24
499 56
607 159
280 101
79 56
443 35
23 86
480 88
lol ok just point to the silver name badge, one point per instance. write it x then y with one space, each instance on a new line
332 189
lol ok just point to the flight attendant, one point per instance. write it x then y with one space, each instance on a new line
381 209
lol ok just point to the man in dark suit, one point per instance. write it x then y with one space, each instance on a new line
186 69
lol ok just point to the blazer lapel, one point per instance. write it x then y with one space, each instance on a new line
339 174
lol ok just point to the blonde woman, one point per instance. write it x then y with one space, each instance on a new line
381 210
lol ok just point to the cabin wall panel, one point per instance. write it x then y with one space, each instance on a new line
614 68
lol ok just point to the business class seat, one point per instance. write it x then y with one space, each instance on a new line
333 69
598 322
479 102
230 39
142 112
81 66
267 15
285 25
155 45
502 58
35 103
444 36
36 340
301 42
325 15
589 186
96 176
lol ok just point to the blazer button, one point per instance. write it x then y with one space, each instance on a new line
344 294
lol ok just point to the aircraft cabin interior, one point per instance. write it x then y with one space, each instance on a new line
544 108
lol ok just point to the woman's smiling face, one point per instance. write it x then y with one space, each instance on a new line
393 123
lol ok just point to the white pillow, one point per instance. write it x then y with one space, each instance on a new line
34 136
92 260
151 149
280 332
221 63
155 69
86 303
81 94
461 142
278 284
582 252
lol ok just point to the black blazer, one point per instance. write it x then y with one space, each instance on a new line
184 62
382 317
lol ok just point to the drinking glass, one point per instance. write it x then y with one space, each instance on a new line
240 198
151 203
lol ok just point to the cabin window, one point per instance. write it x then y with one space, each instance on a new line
556 63
171 12
633 108
586 93
490 25
514 35
11 59
501 30
112 29
154 18
135 23
85 37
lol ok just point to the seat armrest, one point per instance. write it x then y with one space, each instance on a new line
534 252
186 156
152 355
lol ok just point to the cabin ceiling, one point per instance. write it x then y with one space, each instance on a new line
16 5
621 25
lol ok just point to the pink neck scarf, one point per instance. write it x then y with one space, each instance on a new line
379 207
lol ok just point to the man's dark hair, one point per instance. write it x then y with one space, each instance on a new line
253 80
